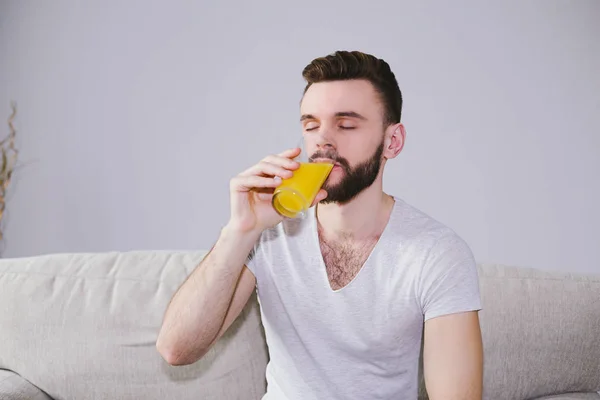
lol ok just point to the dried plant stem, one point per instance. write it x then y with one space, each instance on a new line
9 160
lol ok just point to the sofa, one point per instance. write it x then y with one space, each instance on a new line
84 326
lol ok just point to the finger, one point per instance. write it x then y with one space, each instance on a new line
265 190
264 168
290 153
263 196
247 183
322 194
282 161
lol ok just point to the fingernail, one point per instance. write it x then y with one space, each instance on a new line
277 179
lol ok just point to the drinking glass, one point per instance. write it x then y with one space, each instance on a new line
294 196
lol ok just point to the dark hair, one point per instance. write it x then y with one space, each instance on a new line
346 65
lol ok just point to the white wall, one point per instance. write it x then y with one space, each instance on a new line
133 117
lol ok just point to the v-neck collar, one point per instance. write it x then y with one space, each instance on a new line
314 232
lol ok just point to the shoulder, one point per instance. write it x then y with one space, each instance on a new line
288 229
413 222
278 243
282 236
433 238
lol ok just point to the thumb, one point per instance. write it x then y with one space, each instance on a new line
320 196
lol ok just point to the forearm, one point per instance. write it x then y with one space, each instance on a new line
197 311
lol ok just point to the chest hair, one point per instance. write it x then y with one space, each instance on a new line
344 258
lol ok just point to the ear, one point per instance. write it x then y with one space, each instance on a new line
395 138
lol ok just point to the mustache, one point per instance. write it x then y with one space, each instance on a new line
331 155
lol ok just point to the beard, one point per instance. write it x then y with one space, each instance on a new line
354 180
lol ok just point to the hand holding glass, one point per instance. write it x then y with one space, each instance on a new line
295 195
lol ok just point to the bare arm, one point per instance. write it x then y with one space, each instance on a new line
208 301
453 357
217 290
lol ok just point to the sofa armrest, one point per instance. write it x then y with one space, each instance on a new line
15 387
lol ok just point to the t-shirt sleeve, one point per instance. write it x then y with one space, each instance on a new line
449 280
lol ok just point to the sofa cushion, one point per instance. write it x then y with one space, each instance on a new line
85 326
15 387
540 332
572 396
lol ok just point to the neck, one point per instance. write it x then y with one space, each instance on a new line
363 217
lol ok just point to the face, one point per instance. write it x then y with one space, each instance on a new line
343 121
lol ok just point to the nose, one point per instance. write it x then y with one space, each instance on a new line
324 141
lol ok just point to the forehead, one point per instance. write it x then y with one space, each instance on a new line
324 99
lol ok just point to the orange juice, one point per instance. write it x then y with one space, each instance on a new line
295 195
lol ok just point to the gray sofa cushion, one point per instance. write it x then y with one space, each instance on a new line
84 326
572 396
541 332
14 387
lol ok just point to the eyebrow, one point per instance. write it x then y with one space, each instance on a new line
341 114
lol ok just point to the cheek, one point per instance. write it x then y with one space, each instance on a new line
354 154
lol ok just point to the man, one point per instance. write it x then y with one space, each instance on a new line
348 293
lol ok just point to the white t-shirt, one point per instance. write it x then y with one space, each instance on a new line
364 340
